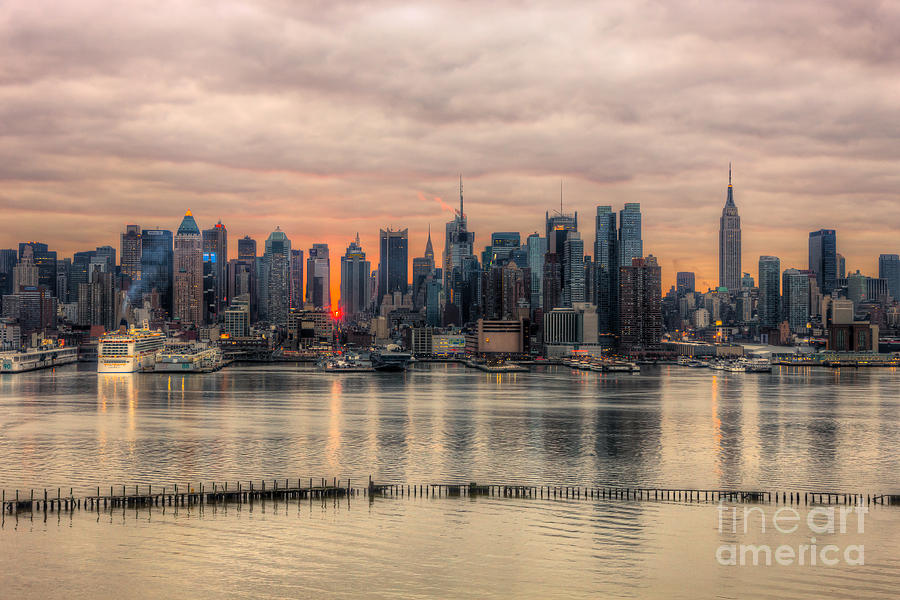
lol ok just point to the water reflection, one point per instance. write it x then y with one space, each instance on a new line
667 426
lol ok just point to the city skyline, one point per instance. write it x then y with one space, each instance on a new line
264 117
705 278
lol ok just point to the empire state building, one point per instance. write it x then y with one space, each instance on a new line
730 242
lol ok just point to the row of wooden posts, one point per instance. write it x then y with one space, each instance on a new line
240 492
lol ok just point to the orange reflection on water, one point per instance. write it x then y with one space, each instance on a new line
716 421
333 445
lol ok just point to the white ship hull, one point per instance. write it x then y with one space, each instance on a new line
33 360
125 364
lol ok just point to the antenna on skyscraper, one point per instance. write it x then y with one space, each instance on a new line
460 197
560 198
729 172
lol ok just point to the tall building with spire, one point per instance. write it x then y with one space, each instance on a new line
730 242
458 266
355 276
559 227
422 268
188 272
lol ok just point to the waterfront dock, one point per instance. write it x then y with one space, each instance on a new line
298 489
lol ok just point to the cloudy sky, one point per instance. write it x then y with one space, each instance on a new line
327 118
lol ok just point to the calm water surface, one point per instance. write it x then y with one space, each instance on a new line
793 430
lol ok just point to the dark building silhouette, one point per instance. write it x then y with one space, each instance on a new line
640 297
393 262
157 264
823 258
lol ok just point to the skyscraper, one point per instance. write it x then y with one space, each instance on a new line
458 245
432 301
823 258
769 291
242 281
25 273
246 248
393 262
795 299
536 247
45 261
296 278
215 257
423 267
318 278
63 267
558 227
551 282
606 269
355 272
188 272
130 253
157 265
96 300
277 257
105 256
7 271
684 282
630 244
573 267
730 242
502 245
857 287
889 269
640 305
80 272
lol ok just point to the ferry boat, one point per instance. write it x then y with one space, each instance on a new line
759 365
128 352
189 358
37 358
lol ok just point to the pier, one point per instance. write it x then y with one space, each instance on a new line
240 492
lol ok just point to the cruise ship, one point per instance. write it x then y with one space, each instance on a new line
128 352
37 358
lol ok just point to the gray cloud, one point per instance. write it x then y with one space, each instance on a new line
328 117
